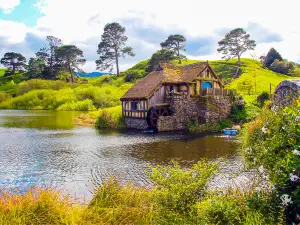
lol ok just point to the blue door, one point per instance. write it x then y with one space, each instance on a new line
206 85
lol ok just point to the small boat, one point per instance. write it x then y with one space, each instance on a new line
230 131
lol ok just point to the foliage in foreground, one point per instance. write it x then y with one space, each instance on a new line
272 144
178 196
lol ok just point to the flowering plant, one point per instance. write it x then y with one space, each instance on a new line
272 142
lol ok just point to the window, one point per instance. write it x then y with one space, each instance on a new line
134 106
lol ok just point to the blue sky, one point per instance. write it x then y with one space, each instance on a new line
25 13
24 25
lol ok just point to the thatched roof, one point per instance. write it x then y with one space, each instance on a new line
165 73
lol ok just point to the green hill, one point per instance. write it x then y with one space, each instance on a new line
253 75
2 71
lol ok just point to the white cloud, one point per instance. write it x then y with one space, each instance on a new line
8 5
82 22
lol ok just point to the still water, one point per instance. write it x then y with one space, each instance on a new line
45 148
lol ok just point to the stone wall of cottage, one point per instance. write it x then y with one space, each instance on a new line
286 93
204 109
136 123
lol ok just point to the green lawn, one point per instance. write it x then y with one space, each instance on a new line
2 71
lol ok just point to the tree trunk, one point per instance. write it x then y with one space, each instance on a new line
14 69
71 72
239 60
117 64
51 63
178 53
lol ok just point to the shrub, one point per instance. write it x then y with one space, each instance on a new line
238 115
240 206
110 118
85 105
177 190
272 142
131 76
114 203
38 206
4 96
38 84
283 67
264 96
224 124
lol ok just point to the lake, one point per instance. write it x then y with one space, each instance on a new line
45 148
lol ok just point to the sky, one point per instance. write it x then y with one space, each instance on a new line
24 25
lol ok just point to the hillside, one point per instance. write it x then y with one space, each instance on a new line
2 71
226 70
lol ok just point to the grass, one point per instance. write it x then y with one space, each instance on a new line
81 98
2 71
103 118
178 196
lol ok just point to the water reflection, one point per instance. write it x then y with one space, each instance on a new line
43 147
38 119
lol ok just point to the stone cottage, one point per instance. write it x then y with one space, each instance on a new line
286 93
167 98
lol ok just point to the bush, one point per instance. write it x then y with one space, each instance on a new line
177 196
71 98
38 84
38 206
283 67
272 142
85 105
177 190
224 124
238 115
264 96
110 118
131 76
114 203
4 96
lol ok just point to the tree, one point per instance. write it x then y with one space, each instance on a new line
70 57
235 43
35 67
163 55
47 53
13 61
284 67
175 42
271 57
112 47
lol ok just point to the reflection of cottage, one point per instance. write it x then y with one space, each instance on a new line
170 96
286 92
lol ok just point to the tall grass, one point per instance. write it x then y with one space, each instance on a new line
81 98
178 196
38 206
38 84
110 118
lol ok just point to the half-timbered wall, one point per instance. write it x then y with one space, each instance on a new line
139 112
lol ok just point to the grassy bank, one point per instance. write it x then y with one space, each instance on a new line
59 95
178 196
102 118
